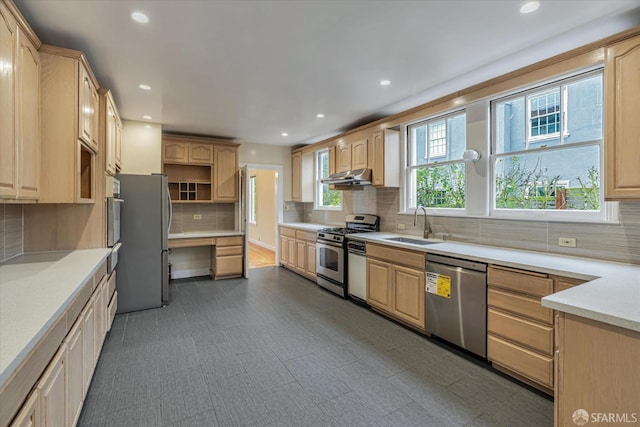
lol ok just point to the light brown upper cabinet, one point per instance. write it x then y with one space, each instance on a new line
174 151
622 110
352 156
110 125
200 154
302 176
88 109
385 167
359 151
20 134
225 168
68 160
343 158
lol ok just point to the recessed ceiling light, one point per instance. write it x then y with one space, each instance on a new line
320 116
530 6
385 82
284 134
140 17
144 87
146 116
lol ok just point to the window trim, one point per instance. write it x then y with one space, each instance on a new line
253 217
318 186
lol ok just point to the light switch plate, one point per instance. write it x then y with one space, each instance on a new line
569 242
197 216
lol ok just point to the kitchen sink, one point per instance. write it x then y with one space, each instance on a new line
420 242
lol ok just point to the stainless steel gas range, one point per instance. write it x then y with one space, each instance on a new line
331 259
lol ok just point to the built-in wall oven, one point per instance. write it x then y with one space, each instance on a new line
331 259
114 207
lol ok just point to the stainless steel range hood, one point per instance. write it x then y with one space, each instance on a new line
356 177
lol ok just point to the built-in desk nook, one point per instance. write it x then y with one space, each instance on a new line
226 254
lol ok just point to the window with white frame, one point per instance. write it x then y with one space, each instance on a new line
252 200
537 164
325 197
436 171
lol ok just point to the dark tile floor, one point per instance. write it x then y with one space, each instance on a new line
276 350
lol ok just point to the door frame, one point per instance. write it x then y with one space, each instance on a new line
279 169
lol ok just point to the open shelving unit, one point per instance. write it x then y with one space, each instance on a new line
189 183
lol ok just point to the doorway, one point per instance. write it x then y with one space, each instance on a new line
263 201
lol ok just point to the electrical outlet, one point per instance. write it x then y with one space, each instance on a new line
401 226
309 215
197 216
569 242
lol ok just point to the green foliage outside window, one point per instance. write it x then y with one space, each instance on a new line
525 187
441 186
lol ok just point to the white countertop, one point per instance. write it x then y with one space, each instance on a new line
305 226
35 290
612 294
196 234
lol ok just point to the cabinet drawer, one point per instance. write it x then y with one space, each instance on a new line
230 241
520 360
99 274
306 235
397 256
519 304
111 310
188 243
289 232
229 265
564 283
530 334
536 284
111 284
228 250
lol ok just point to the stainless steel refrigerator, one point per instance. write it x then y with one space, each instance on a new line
142 271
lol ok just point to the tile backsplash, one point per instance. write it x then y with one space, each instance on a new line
11 226
214 216
612 242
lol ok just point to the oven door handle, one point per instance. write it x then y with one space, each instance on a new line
322 242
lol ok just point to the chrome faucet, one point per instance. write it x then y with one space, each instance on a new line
427 229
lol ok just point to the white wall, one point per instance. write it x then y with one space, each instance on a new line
141 147
271 155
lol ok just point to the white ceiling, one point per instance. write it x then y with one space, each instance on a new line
252 69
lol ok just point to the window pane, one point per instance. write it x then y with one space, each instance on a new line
439 186
510 125
438 140
326 197
584 110
559 179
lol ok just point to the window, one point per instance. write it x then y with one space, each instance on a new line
436 172
325 198
252 200
537 164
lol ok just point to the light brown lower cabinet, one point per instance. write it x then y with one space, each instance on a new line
298 251
227 259
597 370
29 415
75 378
53 391
394 288
88 343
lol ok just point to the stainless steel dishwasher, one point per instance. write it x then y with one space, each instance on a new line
456 302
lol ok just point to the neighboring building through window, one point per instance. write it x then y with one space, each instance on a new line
252 200
436 172
538 163
325 197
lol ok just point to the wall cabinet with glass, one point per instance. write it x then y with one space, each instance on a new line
68 159
622 109
20 132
